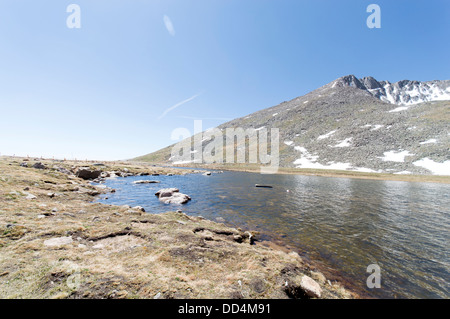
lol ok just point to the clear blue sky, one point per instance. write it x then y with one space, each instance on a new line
113 89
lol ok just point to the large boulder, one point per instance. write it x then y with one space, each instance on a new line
87 173
172 196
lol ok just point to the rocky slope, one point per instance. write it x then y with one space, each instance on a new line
359 125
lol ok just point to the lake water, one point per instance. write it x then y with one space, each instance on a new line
342 224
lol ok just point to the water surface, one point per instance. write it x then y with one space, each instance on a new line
345 224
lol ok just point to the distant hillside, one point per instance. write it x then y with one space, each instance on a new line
358 125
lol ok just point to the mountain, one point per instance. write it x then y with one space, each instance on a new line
401 93
359 125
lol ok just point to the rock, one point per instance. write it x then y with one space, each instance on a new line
122 294
169 174
39 165
172 196
176 198
220 219
26 189
251 238
310 287
54 210
86 173
98 164
60 241
93 193
207 174
146 182
105 175
24 164
51 195
157 296
140 208
166 192
98 246
62 170
30 197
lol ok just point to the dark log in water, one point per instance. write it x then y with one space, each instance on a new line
263 186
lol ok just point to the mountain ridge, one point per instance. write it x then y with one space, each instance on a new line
343 125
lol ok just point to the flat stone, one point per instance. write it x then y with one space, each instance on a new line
56 242
30 197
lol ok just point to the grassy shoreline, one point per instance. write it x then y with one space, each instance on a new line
56 243
328 173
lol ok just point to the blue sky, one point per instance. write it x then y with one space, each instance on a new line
117 87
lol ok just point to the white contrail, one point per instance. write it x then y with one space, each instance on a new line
177 105
169 25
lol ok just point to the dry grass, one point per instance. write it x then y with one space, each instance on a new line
118 252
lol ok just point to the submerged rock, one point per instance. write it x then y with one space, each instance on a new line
146 182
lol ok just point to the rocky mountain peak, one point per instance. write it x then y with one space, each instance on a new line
405 92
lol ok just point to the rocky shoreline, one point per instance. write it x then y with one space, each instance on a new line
56 243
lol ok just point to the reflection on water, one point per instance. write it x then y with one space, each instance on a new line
347 224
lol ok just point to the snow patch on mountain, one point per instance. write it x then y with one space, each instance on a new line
430 141
344 143
393 156
434 167
321 137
